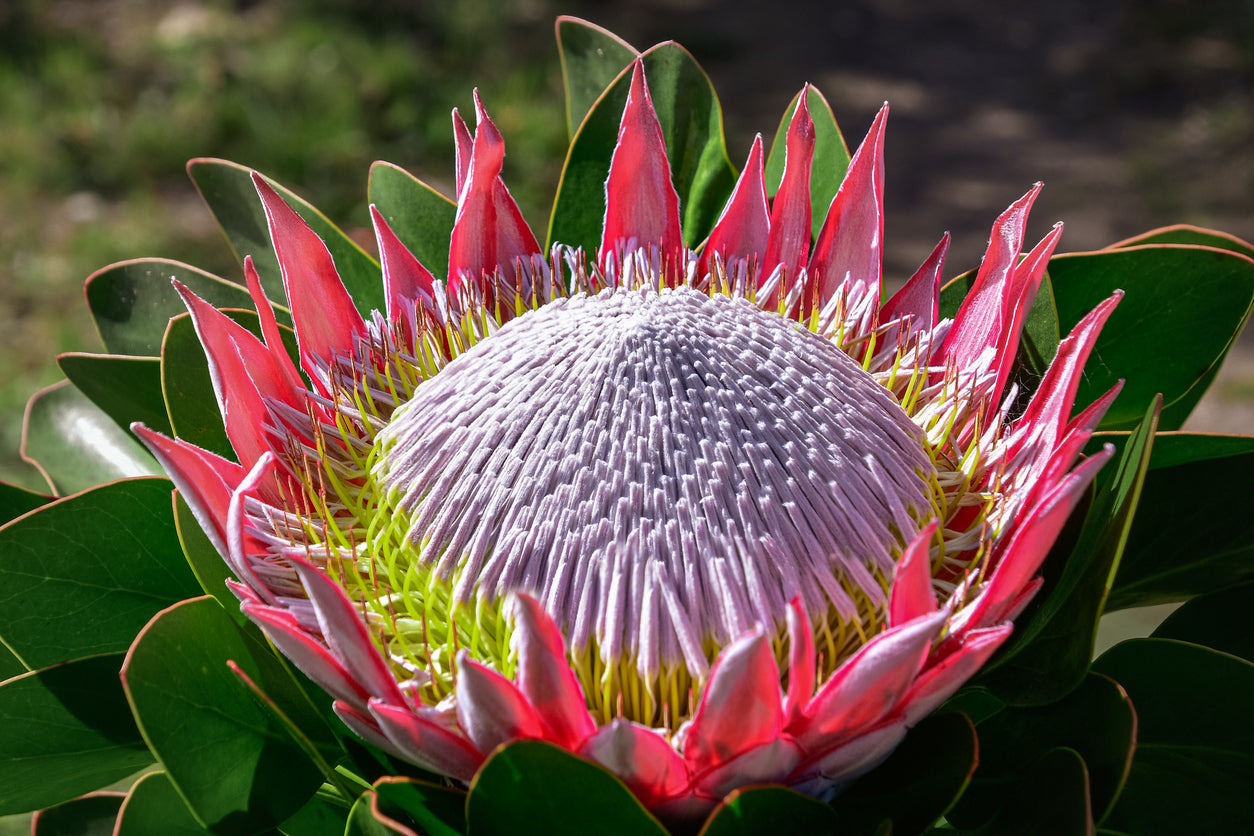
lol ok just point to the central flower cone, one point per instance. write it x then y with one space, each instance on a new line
707 518
662 470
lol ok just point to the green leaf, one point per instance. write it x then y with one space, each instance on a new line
128 389
435 810
91 815
319 817
16 501
1219 620
236 769
555 793
84 574
591 58
1054 638
419 215
831 157
1194 762
1192 235
1096 720
75 445
1053 801
762 809
362 820
1183 309
228 189
67 731
692 125
154 807
133 301
1195 532
917 784
188 387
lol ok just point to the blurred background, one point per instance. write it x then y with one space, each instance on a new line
1135 114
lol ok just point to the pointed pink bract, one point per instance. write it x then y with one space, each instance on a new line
745 224
789 240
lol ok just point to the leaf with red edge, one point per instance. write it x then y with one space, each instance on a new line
16 501
84 574
67 731
591 58
434 810
421 217
692 126
153 807
75 445
128 389
91 815
1191 235
1219 620
235 767
1183 309
831 157
228 190
133 301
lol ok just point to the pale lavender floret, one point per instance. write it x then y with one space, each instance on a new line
680 412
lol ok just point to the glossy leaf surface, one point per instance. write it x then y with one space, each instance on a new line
1219 620
67 731
126 388
92 815
555 793
76 445
133 301
86 573
236 770
419 215
153 807
1194 763
591 58
435 810
762 809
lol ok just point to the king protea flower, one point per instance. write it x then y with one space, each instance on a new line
704 517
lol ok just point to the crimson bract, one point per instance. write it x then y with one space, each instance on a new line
707 517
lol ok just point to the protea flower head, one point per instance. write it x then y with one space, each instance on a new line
705 517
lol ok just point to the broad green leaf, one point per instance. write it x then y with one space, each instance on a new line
1195 532
319 817
555 793
1054 638
761 809
1194 762
128 389
917 784
75 445
435 810
1219 620
363 822
83 575
1191 235
16 501
67 731
1096 720
132 301
1053 801
188 387
1183 309
228 189
91 815
591 58
153 807
237 771
419 215
831 157
10 665
692 125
